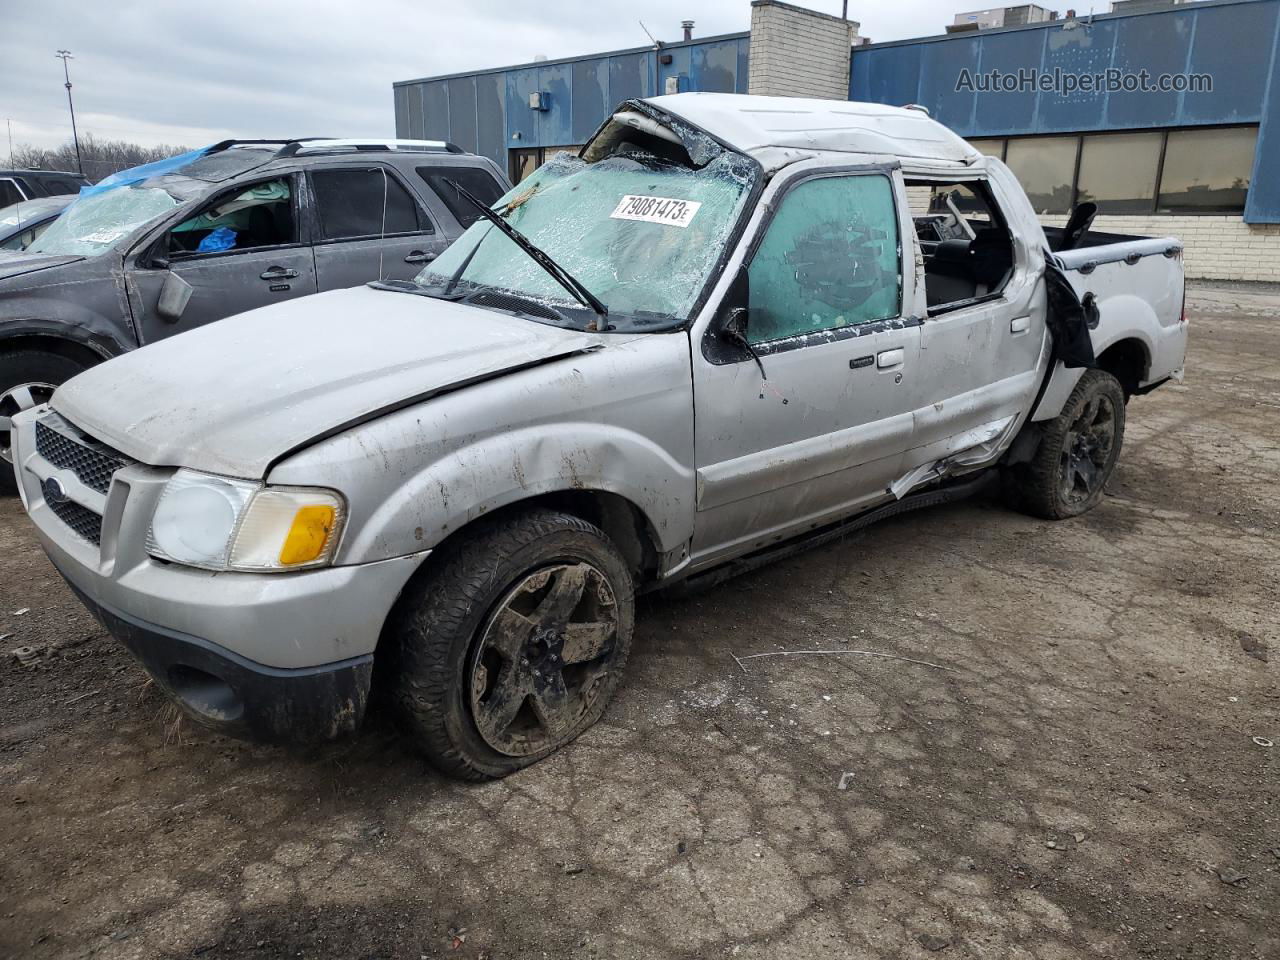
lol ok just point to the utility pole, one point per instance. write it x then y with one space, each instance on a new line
64 56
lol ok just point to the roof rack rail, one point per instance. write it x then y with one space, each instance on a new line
272 141
360 144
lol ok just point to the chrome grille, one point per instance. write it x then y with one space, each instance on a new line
92 462
83 521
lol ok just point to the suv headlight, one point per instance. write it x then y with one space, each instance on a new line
221 524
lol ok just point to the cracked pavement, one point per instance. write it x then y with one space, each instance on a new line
1076 776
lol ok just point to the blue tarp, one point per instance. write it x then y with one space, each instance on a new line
145 172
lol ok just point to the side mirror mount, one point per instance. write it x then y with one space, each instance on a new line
735 324
175 293
735 316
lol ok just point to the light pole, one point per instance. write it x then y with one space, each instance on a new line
64 56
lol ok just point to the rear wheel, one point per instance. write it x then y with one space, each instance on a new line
513 643
1077 453
27 379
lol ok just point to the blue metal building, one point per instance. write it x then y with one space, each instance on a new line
1200 161
1232 41
490 112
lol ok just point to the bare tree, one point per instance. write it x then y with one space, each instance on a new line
101 157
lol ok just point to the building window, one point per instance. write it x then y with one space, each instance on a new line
1118 171
1045 166
1192 170
1207 171
524 162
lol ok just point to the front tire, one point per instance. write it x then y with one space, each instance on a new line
512 643
27 379
1077 453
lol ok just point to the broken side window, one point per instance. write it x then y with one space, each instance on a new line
829 259
260 215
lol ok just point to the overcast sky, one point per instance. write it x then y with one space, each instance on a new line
195 73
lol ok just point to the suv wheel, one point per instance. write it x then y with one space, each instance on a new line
1077 453
512 644
27 379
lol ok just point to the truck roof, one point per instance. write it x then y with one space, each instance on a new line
753 124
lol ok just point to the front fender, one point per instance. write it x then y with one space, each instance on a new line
84 301
102 343
504 469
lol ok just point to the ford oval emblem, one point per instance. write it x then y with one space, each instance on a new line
54 491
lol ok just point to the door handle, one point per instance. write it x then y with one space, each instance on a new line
1020 325
419 256
278 273
888 359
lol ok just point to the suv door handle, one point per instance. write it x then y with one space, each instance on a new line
278 273
419 256
1019 324
888 359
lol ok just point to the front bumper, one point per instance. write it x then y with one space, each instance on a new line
238 697
272 656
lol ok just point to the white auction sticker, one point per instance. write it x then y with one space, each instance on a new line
673 213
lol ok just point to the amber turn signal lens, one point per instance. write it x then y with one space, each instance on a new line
307 536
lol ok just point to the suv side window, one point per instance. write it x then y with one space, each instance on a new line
9 193
479 183
252 217
60 186
350 204
829 259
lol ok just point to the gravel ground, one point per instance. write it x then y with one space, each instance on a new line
1077 776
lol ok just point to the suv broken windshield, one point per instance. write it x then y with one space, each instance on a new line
640 232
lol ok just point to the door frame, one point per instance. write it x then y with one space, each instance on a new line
705 328
313 204
144 253
714 352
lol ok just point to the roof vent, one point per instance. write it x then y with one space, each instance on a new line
687 27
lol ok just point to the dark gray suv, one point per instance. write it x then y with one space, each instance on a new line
170 246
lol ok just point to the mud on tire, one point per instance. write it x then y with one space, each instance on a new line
510 643
26 377
1077 453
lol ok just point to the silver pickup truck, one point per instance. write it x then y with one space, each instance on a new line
731 326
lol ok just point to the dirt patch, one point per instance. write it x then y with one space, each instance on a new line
1082 781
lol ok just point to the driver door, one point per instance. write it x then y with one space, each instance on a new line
823 433
241 250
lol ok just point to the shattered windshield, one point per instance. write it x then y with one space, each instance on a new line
641 233
94 222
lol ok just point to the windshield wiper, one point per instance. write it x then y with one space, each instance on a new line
557 272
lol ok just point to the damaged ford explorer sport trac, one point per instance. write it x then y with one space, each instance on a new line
729 328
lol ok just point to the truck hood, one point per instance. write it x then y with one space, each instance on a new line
237 395
16 264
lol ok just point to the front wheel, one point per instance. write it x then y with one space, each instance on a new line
27 379
512 643
1077 453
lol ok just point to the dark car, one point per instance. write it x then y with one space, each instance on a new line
169 246
16 185
22 222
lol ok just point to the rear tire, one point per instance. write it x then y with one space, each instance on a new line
1077 453
512 643
27 378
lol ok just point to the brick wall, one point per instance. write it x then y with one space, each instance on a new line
1215 247
798 53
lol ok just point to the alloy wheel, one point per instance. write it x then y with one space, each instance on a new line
542 658
1086 450
12 401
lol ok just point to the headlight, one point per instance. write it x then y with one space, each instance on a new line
221 524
